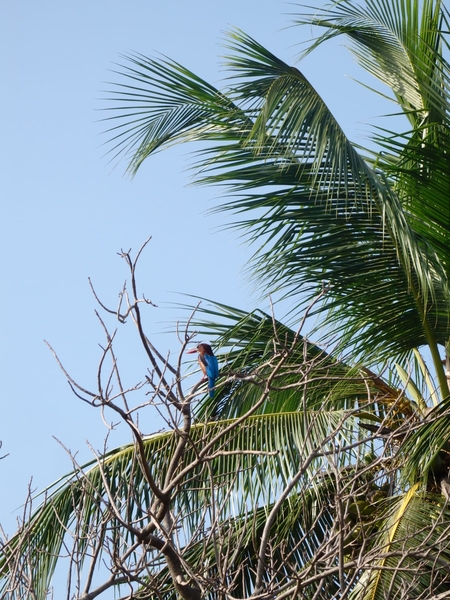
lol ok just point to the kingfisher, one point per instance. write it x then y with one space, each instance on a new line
208 364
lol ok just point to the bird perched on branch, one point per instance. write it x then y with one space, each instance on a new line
208 364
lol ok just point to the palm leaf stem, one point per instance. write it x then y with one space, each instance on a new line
392 531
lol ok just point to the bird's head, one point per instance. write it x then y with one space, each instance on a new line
202 348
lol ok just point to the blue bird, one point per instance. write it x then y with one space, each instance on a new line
208 364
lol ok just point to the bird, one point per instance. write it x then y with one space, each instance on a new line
208 364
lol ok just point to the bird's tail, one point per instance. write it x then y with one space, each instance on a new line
211 383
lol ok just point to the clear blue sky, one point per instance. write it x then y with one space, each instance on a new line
65 213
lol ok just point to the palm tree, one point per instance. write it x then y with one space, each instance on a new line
334 479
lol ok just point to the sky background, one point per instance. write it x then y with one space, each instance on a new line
65 212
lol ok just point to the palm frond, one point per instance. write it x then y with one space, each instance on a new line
426 451
322 213
399 43
164 103
264 454
411 557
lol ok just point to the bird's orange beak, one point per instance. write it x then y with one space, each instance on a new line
191 351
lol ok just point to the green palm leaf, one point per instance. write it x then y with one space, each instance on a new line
426 451
322 213
400 43
309 379
299 529
413 559
264 455
185 108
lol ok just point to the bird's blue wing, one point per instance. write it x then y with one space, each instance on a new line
212 371
212 366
